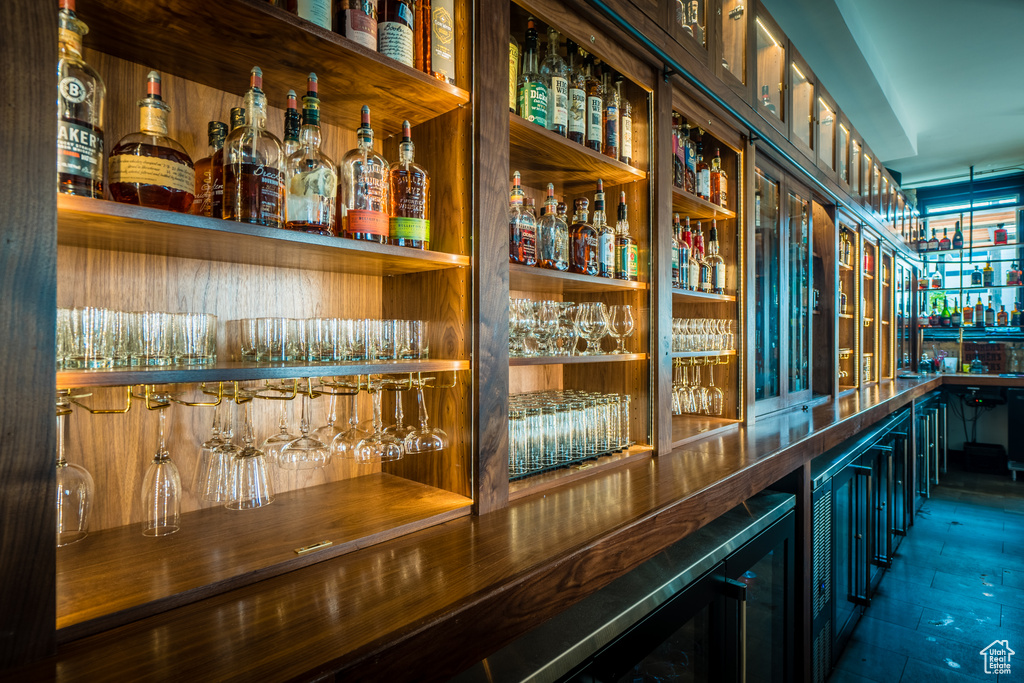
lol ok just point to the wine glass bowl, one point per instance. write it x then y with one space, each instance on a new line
592 324
620 325
307 451
251 483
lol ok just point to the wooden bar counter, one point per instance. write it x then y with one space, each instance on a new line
429 604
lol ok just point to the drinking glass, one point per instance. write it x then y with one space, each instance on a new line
399 430
275 339
592 324
161 488
567 333
352 338
620 325
195 337
380 339
716 398
74 489
251 483
426 438
273 444
90 338
411 339
327 432
378 447
213 475
305 452
344 444
120 338
545 323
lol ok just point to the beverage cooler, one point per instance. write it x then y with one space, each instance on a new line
860 512
930 444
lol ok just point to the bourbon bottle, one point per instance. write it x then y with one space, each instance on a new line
582 242
395 30
80 100
311 177
410 197
148 168
292 123
365 195
217 167
202 205
522 227
357 21
627 253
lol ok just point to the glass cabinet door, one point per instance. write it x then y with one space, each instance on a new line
690 20
826 134
865 177
803 104
799 277
766 266
733 24
854 167
843 153
771 71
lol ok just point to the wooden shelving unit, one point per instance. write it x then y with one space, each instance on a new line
689 428
576 360
544 481
700 297
532 279
696 208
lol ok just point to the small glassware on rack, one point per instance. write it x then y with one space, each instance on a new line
378 446
426 439
620 325
252 485
305 452
161 487
213 475
592 324
310 176
365 189
345 443
410 197
74 487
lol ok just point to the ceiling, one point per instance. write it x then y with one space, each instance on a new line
933 86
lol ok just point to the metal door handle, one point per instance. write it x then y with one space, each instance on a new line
864 586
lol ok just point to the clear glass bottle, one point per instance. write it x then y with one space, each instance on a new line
690 161
396 20
149 168
605 235
625 125
694 260
689 269
217 200
674 248
357 21
315 11
292 123
553 235
577 125
678 153
627 253
253 165
533 94
556 79
988 275
610 118
1002 319
311 176
522 226
410 197
990 314
81 96
703 174
716 261
842 299
582 241
365 195
595 105
513 73
719 180
935 276
968 312
703 267
202 205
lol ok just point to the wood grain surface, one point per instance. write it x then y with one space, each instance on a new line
542 280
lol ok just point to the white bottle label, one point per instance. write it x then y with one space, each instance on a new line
607 252
577 110
694 275
704 183
316 11
627 137
559 104
719 277
395 41
594 119
361 27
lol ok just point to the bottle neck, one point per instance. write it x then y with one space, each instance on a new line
406 153
309 135
153 116
69 34
255 109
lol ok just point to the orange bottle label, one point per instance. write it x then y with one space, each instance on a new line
363 221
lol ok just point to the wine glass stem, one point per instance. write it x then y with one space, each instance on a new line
162 415
399 416
248 436
283 422
304 424
332 409
377 422
60 440
423 408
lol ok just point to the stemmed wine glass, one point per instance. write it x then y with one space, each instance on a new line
620 325
567 332
344 444
379 446
273 444
327 432
305 452
74 488
700 392
426 438
716 398
592 324
251 483
213 476
161 488
399 430
545 325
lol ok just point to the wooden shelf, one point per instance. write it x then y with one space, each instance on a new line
699 297
250 33
868 276
101 224
118 575
843 266
696 208
845 351
845 316
224 371
532 279
702 354
690 428
577 360
548 480
543 157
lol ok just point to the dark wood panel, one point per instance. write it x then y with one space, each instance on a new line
532 279
28 280
689 428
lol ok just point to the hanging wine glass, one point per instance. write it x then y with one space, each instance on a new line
344 444
327 432
399 430
74 488
620 325
213 476
677 407
251 482
716 398
305 452
426 438
161 487
378 447
273 444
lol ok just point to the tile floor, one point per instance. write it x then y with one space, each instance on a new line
956 585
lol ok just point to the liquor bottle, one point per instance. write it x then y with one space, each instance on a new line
442 40
357 21
365 189
936 275
315 11
80 100
1001 235
766 101
719 181
979 313
292 123
627 253
513 74
955 316
522 226
202 205
933 317
1015 316
958 237
990 314
253 178
625 125
976 277
421 53
690 157
944 316
556 79
148 168
610 118
678 154
869 263
552 235
595 105
1014 275
703 174
703 267
842 299
685 256
1002 319
310 176
582 242
841 254
533 94
988 275
692 25
922 242
968 312
715 260
217 200
605 235
945 244
395 24
577 126
933 243
674 248
410 197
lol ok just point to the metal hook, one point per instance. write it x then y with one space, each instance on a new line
201 404
101 411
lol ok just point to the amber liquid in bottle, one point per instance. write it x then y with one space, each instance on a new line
410 198
217 172
582 242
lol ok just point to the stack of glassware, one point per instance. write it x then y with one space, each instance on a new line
703 334
327 339
555 328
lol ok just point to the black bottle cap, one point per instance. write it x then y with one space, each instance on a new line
237 117
216 131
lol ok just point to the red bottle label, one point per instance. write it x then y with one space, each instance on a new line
368 222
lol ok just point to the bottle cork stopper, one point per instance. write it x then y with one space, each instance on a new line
406 131
311 85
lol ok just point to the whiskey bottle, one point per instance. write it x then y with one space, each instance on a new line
595 105
627 254
719 180
1015 316
979 313
688 268
513 73
958 237
357 21
678 160
988 275
253 178
442 40
556 79
766 101
690 159
533 94
625 125
842 299
396 20
968 312
945 244
80 100
674 248
716 261
990 313
605 235
933 243
610 118
582 242
410 197
421 35
292 123
1014 275
311 176
976 277
364 190
522 227
217 199
315 11
553 235
1002 319
703 174
1001 235
703 267
148 168
955 316
577 126
922 242
202 205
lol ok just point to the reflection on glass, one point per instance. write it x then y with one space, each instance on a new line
871 321
803 106
876 178
766 617
690 18
734 38
865 176
826 133
684 657
884 196
843 156
854 167
771 65
766 267
799 294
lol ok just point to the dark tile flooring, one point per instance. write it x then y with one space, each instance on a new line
956 585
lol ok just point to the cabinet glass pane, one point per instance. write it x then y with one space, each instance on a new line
884 209
803 105
865 176
766 266
685 656
799 294
734 38
826 134
771 71
691 19
843 153
766 618
876 178
854 167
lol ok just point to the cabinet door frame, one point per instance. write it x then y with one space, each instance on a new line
779 123
830 168
716 52
796 61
